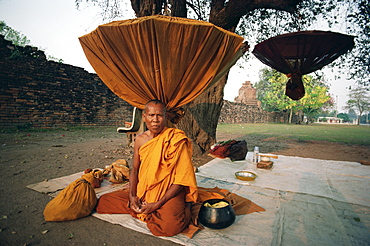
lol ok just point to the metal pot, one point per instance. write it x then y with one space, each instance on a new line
216 218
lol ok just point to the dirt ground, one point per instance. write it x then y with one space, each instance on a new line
28 158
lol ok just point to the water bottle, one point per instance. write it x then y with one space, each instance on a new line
255 154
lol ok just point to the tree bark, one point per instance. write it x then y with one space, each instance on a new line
147 7
227 14
178 8
201 117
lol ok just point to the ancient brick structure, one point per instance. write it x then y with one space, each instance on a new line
242 113
35 92
247 109
247 95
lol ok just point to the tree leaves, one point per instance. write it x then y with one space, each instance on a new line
359 100
15 36
271 93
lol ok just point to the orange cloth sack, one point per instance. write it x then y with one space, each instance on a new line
94 177
76 201
119 171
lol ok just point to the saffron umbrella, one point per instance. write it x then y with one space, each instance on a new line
299 53
160 57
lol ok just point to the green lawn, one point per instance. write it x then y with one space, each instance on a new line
350 134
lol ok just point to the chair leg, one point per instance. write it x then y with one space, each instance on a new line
129 139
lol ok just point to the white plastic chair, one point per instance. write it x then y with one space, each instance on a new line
137 127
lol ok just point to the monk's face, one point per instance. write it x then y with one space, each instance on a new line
155 117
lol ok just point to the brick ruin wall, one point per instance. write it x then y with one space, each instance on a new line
241 113
38 93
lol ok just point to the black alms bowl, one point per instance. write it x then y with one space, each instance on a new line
216 218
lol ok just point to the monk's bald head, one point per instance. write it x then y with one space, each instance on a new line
155 102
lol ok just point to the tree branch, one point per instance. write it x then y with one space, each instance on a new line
227 14
195 9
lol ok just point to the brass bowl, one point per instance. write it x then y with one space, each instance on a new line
246 176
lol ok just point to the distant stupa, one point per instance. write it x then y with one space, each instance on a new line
247 95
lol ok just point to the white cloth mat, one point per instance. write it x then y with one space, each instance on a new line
307 202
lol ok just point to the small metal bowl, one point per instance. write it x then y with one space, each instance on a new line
246 176
216 218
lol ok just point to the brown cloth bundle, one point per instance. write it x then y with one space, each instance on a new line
119 171
221 149
76 201
234 149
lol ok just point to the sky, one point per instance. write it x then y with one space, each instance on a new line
55 25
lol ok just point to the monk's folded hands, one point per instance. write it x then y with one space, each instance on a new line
135 204
147 208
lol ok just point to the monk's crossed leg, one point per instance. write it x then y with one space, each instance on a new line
172 218
115 203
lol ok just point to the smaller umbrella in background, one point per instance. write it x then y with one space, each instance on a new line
299 53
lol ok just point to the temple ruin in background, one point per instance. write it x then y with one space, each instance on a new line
247 109
247 95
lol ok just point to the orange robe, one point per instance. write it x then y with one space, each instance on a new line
165 160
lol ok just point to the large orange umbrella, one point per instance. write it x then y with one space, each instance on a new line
160 57
299 53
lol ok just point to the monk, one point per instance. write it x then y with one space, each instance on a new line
162 179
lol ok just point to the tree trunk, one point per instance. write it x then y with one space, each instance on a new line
178 8
201 117
147 7
290 116
154 7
